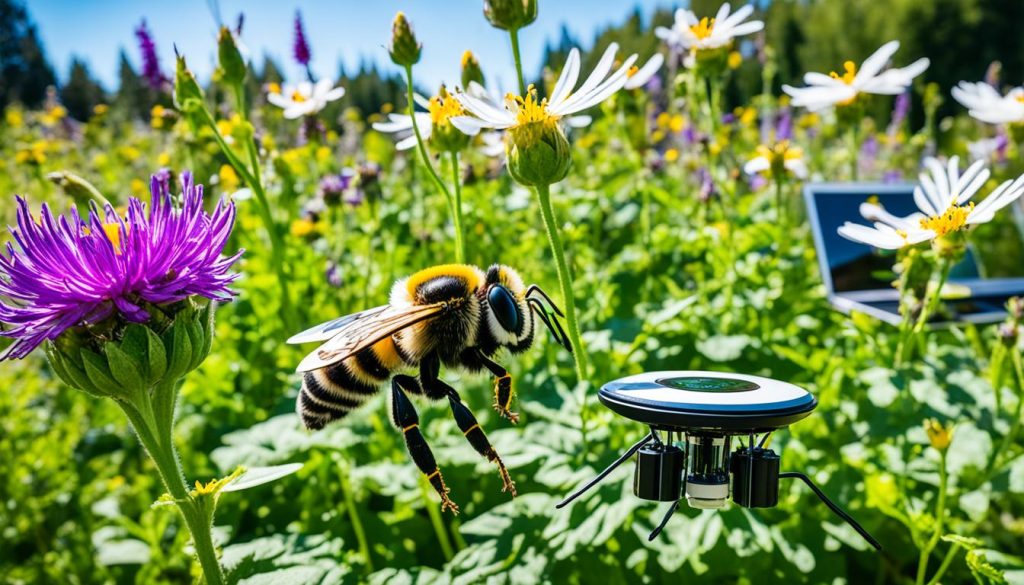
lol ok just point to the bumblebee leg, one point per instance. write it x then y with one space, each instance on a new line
405 417
503 392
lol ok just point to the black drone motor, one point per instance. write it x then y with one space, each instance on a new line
706 411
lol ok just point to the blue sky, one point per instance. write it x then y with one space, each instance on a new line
340 31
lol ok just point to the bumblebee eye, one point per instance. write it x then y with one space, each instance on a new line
504 307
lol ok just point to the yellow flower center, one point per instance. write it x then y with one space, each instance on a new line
113 231
297 97
443 107
632 71
1020 98
779 153
850 69
703 29
273 88
953 219
531 110
468 58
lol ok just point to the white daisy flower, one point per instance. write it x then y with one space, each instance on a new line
768 160
689 33
638 77
840 90
986 104
945 207
563 102
402 124
305 99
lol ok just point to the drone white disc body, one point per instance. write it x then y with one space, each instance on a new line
685 399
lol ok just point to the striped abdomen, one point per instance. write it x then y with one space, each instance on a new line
330 393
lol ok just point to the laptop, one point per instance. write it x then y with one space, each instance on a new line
858 277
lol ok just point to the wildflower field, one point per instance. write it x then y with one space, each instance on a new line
168 240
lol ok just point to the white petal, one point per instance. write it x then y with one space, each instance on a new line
485 110
567 80
406 143
756 165
646 72
924 202
874 64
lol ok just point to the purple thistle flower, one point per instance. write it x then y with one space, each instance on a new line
163 177
300 48
67 272
150 62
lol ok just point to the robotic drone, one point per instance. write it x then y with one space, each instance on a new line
705 411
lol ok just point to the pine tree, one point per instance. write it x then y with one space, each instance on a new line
81 93
24 71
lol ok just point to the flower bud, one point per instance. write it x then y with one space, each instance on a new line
231 64
938 435
510 14
471 70
188 96
538 154
404 48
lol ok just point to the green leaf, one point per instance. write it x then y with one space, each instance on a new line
724 348
69 373
255 476
177 338
156 354
134 345
968 542
99 374
196 341
124 369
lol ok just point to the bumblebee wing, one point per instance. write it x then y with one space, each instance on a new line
368 329
329 329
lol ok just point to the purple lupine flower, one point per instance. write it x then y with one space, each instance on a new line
900 110
67 272
892 176
333 274
784 125
150 62
1002 144
868 155
300 48
707 186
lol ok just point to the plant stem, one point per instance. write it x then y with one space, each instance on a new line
159 443
514 36
950 555
424 156
435 520
456 205
933 301
252 179
353 514
564 280
854 148
1004 445
940 513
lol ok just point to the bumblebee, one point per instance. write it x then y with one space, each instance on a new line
453 314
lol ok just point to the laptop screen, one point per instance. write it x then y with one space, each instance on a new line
996 249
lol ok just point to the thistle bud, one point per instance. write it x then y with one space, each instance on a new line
538 151
938 435
471 70
404 48
510 14
188 96
230 61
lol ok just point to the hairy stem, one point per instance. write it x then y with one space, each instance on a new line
514 36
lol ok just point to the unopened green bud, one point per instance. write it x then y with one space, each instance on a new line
510 14
538 151
188 96
471 70
231 64
404 48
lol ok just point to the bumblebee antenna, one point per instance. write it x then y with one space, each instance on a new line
832 506
559 333
606 471
533 288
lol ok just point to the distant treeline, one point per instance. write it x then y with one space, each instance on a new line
961 37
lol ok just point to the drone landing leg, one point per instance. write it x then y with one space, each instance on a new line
664 521
832 506
405 418
606 471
